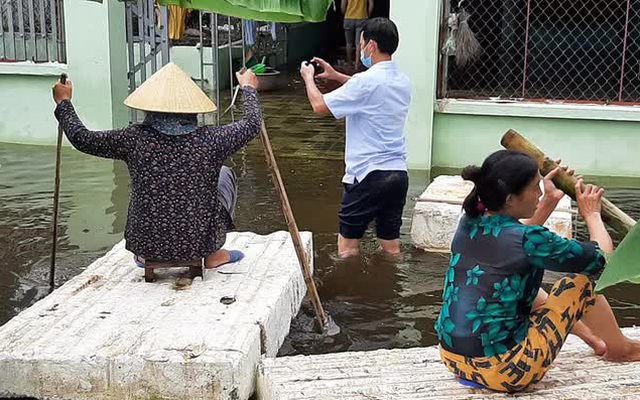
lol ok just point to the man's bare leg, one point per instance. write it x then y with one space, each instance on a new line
602 322
348 247
391 247
580 329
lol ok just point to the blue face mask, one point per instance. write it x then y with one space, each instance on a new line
366 61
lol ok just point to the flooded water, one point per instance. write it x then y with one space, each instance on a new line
377 302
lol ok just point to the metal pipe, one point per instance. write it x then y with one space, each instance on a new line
62 57
153 42
4 46
21 29
11 29
43 29
142 37
526 51
54 29
201 51
230 47
244 51
32 32
216 67
131 73
624 51
166 51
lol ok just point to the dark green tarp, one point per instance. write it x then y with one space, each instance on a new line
262 10
624 264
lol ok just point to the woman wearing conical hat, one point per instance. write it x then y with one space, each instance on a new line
182 197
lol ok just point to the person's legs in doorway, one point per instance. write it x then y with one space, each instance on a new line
350 39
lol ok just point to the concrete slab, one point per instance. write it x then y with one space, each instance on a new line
415 374
439 208
106 334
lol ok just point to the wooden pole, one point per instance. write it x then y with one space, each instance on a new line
56 202
303 257
611 215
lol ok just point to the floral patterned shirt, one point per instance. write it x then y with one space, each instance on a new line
174 212
496 269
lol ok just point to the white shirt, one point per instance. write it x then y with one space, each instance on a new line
375 104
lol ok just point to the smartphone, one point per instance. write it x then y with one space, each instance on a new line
316 67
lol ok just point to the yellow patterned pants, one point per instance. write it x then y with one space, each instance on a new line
529 361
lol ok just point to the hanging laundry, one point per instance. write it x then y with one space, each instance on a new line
177 21
249 32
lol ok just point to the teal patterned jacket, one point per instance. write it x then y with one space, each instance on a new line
496 269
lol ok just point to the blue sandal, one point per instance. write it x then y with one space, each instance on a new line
470 384
234 256
139 261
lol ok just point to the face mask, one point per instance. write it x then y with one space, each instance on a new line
366 61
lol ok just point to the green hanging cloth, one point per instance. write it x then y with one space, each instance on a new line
288 11
624 264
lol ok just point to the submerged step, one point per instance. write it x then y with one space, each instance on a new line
106 334
416 374
439 208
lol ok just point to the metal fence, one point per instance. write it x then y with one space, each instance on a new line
586 50
32 30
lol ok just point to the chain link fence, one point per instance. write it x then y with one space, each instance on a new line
586 50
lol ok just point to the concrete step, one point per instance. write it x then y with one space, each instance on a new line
106 334
416 374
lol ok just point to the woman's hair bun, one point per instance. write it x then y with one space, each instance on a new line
471 173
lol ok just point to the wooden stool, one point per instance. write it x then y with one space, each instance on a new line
195 268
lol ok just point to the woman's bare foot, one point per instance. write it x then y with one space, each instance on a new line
214 260
586 334
627 353
598 345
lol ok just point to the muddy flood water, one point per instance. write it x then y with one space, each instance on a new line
377 302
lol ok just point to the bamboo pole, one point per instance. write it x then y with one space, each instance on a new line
56 202
611 215
303 258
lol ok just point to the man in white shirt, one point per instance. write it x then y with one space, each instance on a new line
375 104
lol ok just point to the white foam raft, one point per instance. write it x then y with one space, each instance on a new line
438 210
416 374
106 334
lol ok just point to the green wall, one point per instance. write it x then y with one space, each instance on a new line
96 63
592 147
418 56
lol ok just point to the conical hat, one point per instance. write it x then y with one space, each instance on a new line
170 90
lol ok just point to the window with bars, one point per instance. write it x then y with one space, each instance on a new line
32 30
536 50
